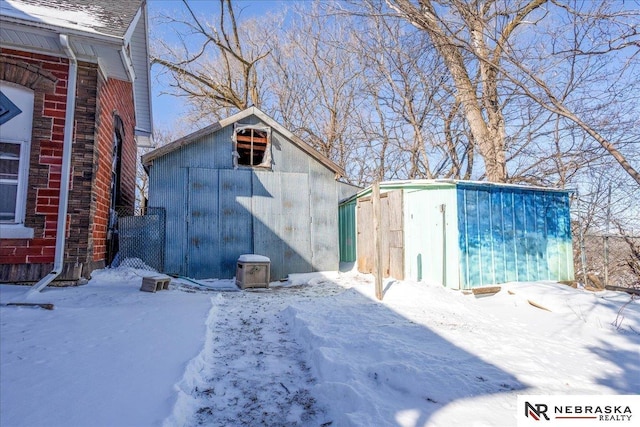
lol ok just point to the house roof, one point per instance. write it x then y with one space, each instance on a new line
111 33
112 17
148 158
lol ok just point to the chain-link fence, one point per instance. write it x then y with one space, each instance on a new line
608 260
142 240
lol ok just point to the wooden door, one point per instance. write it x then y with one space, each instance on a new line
391 222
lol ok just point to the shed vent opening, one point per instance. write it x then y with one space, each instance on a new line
252 146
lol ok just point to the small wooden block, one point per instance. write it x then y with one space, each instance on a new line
486 290
536 305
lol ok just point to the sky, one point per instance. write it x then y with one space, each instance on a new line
319 350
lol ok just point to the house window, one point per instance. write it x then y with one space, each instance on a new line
10 178
16 114
252 146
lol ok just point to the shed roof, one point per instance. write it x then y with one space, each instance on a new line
148 158
447 183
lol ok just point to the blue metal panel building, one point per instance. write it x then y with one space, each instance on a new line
220 204
470 234
510 233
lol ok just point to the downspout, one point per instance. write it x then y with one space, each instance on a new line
69 118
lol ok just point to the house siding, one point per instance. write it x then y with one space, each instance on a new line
140 60
28 260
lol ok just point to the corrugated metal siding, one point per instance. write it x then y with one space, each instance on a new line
287 157
323 202
267 220
203 243
346 190
211 151
236 224
347 224
167 189
510 234
288 214
296 235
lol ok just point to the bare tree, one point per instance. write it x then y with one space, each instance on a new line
214 64
401 92
478 44
412 94
315 83
419 89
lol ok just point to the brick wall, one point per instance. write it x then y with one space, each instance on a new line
115 98
47 77
97 101
77 248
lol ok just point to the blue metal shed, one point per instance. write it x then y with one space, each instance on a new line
246 185
464 234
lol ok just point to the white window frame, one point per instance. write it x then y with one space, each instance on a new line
18 132
16 229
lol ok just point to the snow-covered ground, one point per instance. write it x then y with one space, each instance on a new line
318 350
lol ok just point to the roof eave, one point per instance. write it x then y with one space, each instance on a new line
71 30
119 63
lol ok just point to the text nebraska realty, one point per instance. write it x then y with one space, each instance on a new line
601 413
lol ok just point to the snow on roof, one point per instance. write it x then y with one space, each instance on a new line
111 17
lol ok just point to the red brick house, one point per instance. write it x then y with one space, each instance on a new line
74 106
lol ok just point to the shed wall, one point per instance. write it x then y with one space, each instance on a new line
431 235
168 183
465 235
348 229
215 213
513 234
390 222
323 203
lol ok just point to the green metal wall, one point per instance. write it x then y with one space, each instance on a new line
347 226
